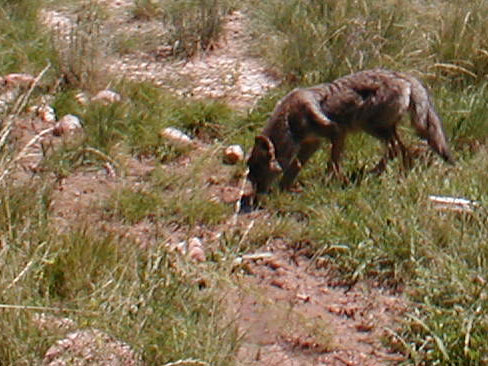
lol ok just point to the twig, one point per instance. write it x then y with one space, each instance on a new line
440 345
246 233
20 275
19 105
26 268
102 156
451 67
45 308
467 338
22 153
483 51
412 353
6 130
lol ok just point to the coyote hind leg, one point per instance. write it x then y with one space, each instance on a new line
394 145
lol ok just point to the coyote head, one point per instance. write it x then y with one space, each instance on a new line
262 163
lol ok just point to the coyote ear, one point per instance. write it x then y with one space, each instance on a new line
264 144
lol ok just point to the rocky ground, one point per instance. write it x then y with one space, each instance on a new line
290 311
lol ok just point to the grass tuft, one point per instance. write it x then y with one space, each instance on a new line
195 26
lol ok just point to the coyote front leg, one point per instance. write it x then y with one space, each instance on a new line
335 157
307 149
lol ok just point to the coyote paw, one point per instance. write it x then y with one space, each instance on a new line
296 188
248 203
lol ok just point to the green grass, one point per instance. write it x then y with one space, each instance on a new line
147 298
19 27
387 231
171 197
311 42
383 230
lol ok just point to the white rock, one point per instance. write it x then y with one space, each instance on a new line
14 80
67 124
176 136
81 98
47 113
233 154
107 97
195 250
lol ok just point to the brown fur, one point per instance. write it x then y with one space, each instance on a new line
372 101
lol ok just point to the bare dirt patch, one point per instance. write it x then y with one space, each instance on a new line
292 314
227 73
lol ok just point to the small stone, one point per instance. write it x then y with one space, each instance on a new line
278 282
197 254
364 327
195 250
14 80
81 98
233 154
47 114
83 347
175 136
107 97
69 123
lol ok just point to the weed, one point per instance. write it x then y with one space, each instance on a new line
194 25
459 43
153 304
465 116
174 197
146 10
134 206
80 48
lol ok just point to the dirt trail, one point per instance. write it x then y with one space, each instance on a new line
293 314
226 73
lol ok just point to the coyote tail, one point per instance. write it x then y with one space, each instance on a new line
426 121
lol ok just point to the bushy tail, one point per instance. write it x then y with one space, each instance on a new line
426 121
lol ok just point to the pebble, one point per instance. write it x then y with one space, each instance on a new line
233 154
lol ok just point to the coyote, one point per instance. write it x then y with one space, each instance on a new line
373 101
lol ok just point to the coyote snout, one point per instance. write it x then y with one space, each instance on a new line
372 101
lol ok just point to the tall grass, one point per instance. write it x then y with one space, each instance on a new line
24 47
99 281
459 43
81 48
311 42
